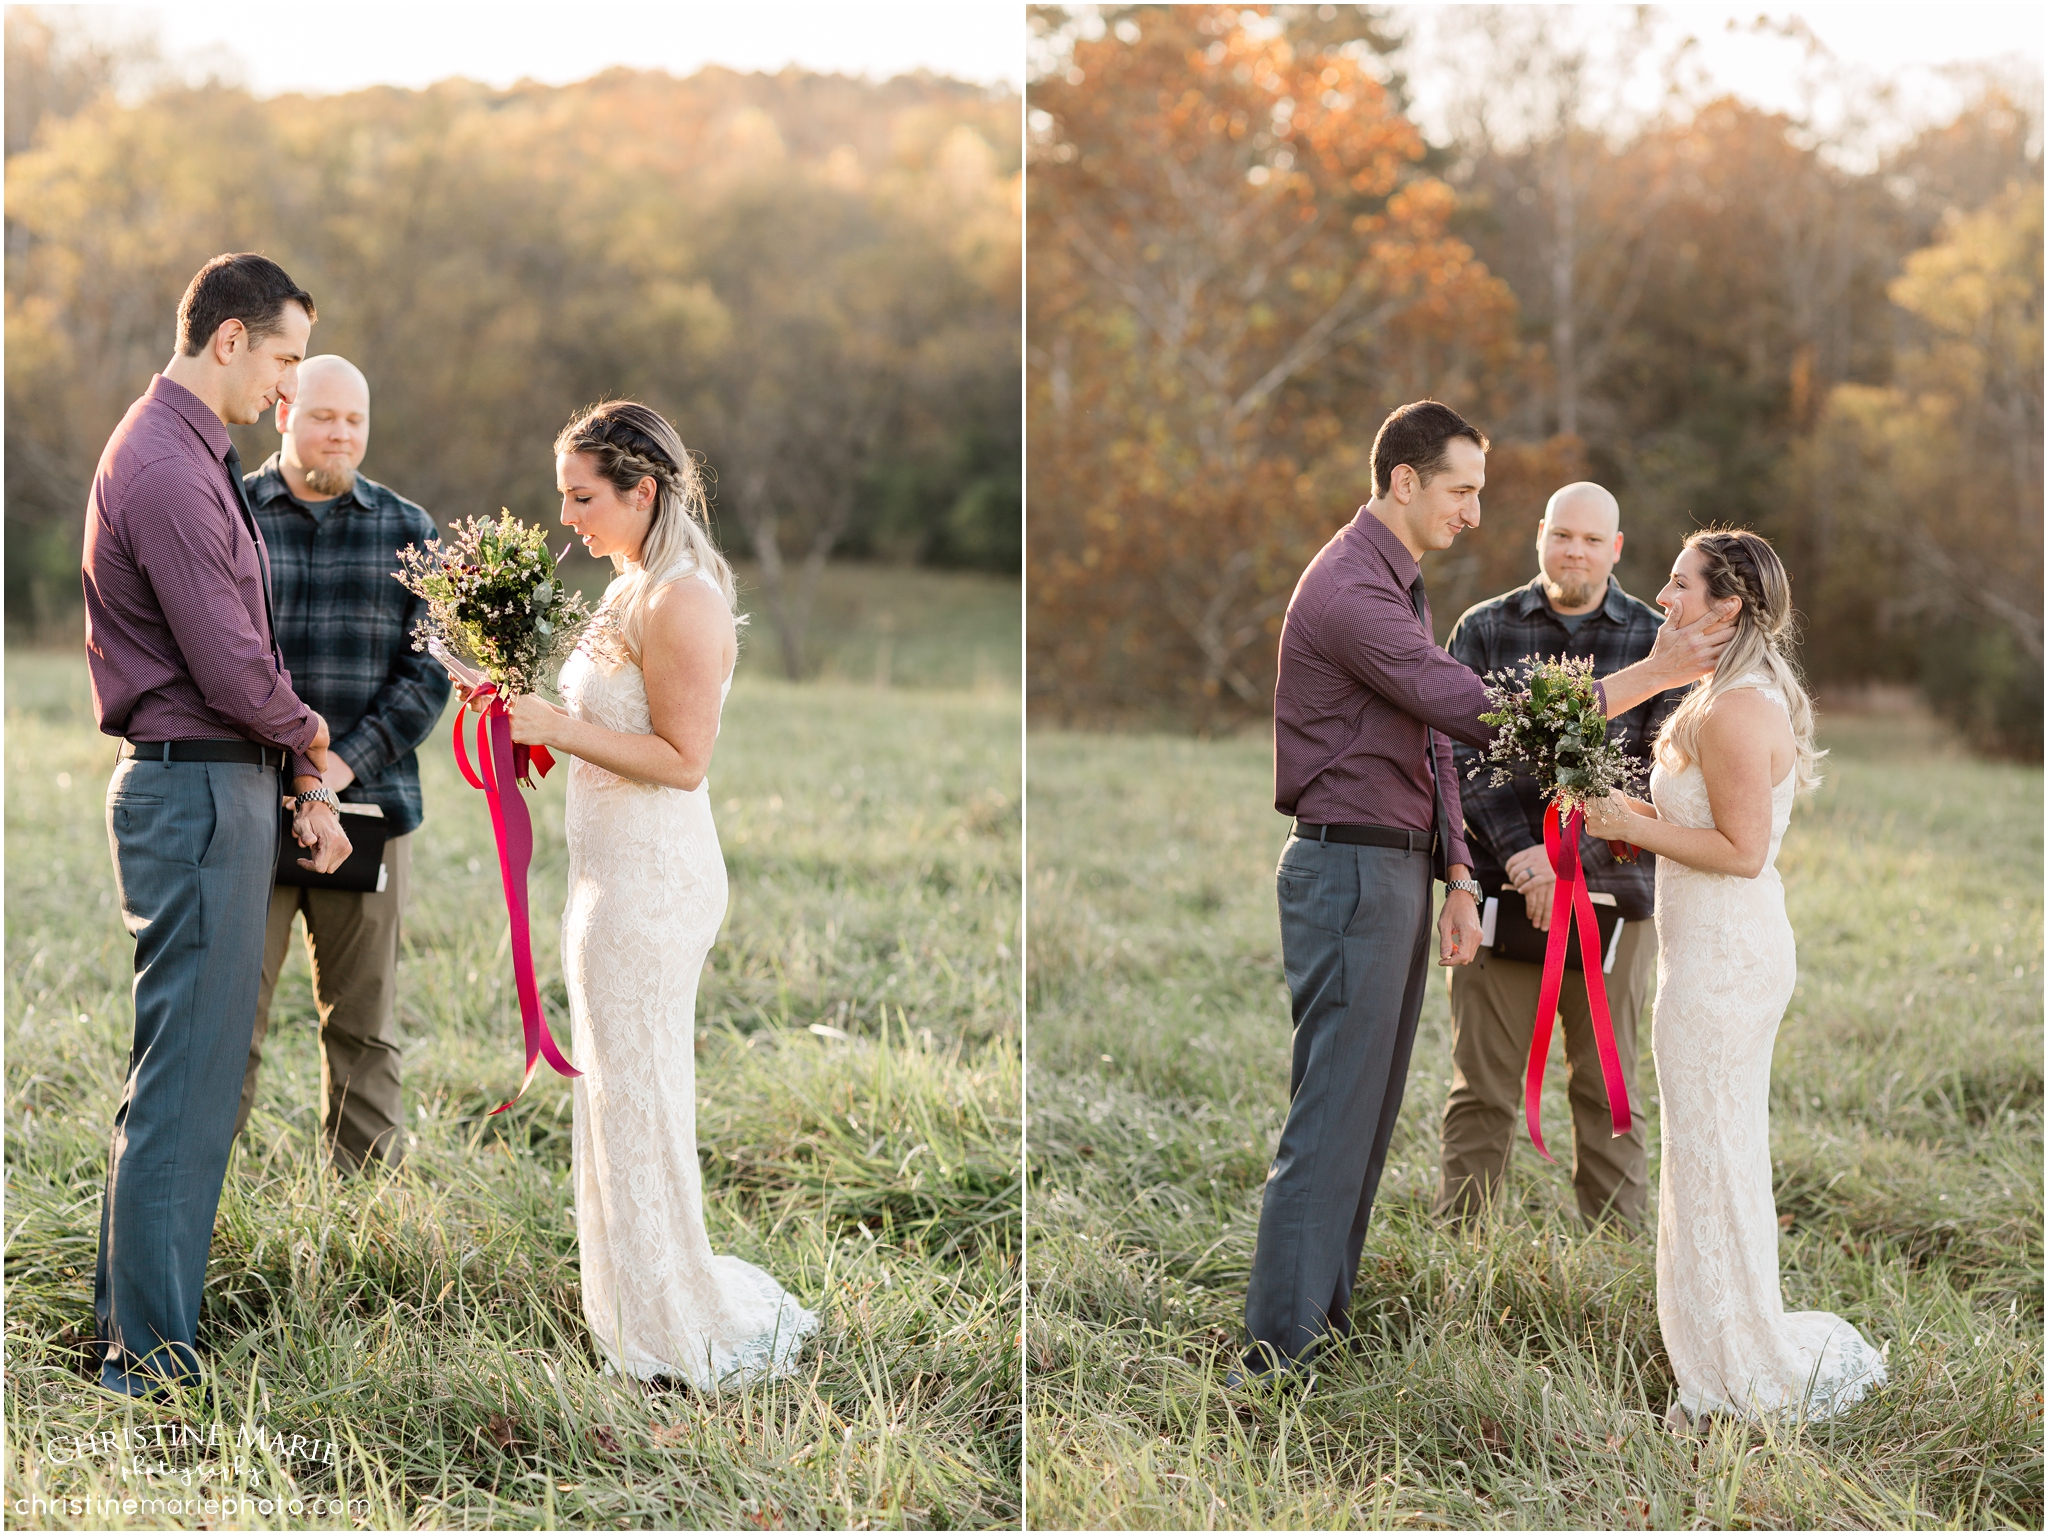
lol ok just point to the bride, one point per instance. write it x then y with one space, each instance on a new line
1727 765
646 895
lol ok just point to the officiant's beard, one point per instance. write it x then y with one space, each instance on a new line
329 482
1568 593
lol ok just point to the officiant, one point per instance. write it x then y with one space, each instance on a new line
345 627
1573 607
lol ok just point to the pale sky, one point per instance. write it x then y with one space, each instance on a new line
1920 53
321 49
1915 53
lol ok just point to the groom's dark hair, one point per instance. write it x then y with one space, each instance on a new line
242 286
1419 435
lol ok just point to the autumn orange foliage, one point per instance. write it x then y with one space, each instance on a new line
1238 266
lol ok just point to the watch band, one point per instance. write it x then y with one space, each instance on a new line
1471 887
322 795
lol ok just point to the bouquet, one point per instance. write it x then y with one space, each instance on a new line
495 603
1549 723
495 600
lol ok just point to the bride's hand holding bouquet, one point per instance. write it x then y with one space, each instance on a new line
1613 816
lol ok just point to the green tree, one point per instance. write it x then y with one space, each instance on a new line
815 277
1943 470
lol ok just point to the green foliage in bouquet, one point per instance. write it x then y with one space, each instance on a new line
1549 724
494 599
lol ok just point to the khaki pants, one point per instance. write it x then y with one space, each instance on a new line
352 940
1493 1017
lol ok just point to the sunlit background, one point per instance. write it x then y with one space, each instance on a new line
1774 268
793 229
323 51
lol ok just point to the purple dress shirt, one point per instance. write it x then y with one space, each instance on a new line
176 636
1361 676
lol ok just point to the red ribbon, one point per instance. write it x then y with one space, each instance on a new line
503 761
1572 901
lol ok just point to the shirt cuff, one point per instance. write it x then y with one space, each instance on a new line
302 765
1458 852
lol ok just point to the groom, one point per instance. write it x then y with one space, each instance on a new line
1364 714
185 668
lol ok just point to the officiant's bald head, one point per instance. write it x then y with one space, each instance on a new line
1577 544
326 429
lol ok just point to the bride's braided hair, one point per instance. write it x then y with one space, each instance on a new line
1738 563
629 443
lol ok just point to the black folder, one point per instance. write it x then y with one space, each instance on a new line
1516 937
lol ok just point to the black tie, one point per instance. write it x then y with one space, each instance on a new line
1440 853
234 463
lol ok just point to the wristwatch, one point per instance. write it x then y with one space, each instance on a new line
320 795
1471 887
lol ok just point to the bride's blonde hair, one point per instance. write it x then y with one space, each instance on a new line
629 443
1738 563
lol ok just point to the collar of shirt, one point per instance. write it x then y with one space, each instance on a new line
197 413
1532 599
270 486
1381 540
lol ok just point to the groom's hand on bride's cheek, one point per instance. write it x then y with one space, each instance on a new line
1691 650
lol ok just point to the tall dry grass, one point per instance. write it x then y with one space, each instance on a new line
428 1323
1513 1376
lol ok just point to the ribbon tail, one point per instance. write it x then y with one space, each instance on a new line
532 1061
512 867
496 774
1590 954
515 827
1553 987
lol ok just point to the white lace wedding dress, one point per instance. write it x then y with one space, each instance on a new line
1726 966
646 896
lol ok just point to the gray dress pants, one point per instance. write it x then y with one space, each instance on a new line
194 844
1354 933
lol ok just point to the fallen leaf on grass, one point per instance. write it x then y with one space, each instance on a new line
605 1439
669 1435
1785 1223
501 1430
1491 1432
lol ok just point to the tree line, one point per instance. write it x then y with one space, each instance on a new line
815 277
1244 252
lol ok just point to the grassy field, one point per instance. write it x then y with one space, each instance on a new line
901 626
1513 1376
428 1324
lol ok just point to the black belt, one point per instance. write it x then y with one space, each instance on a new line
1367 836
204 751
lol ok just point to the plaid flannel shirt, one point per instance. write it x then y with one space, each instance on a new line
1500 821
345 627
